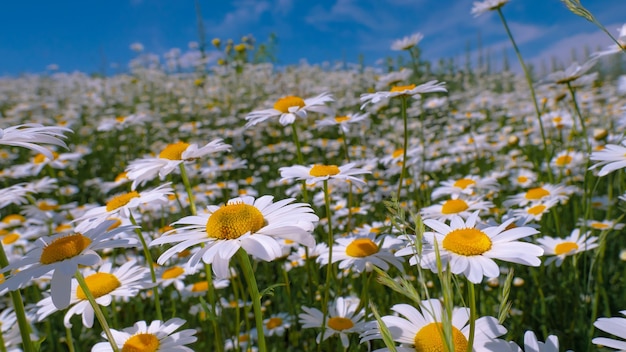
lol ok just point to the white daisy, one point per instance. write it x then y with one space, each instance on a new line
125 281
63 254
467 185
277 324
541 193
470 250
156 337
243 222
318 173
614 326
363 253
422 330
30 135
289 108
343 121
343 318
480 7
408 42
408 90
612 157
456 206
559 248
173 155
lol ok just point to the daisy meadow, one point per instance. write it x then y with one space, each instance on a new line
422 329
256 225
343 319
408 90
62 254
559 248
290 107
157 337
143 170
471 250
105 285
318 173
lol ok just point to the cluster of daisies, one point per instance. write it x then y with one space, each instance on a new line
140 212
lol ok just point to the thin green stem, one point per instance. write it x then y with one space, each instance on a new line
533 96
296 141
404 145
150 262
255 296
190 199
3 347
69 339
472 321
18 306
211 297
97 311
329 268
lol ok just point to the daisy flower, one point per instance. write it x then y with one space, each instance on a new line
30 135
571 73
343 319
62 254
542 193
172 276
343 121
122 205
289 108
455 207
125 281
614 326
277 324
470 250
604 225
531 344
612 157
396 91
535 210
422 329
256 225
480 7
408 42
559 248
614 48
467 185
363 253
157 337
318 173
143 170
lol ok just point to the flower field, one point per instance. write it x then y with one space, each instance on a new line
247 206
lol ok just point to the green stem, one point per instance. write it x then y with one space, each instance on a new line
69 340
296 141
211 297
350 194
472 321
329 268
150 262
529 80
255 296
190 199
405 144
18 306
3 347
97 311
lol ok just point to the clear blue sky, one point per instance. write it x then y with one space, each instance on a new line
81 35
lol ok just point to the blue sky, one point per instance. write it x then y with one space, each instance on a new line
90 35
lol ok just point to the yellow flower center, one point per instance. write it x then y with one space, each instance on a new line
324 170
13 217
402 88
467 242
283 104
563 160
537 209
174 151
599 225
200 286
64 248
10 238
144 342
397 153
99 284
274 323
233 220
120 119
429 339
121 177
536 193
340 323
121 200
172 273
464 182
565 247
522 179
40 158
361 247
454 206
45 206
340 119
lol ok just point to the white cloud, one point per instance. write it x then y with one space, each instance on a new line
561 49
245 14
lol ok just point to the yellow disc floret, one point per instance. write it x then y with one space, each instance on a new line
454 206
233 220
99 284
64 248
172 273
121 200
464 183
429 339
536 193
145 342
340 323
174 151
324 170
565 247
273 323
467 242
402 88
361 247
283 104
